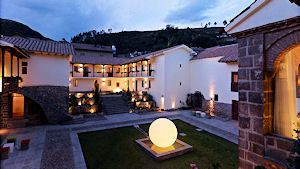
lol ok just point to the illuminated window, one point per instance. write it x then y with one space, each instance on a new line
118 84
75 83
24 68
109 83
17 105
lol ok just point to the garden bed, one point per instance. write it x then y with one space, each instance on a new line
116 148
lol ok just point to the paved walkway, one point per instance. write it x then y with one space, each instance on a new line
57 146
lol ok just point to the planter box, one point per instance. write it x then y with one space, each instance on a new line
4 153
25 144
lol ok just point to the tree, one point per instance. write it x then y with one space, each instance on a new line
224 22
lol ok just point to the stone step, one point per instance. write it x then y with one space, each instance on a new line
16 123
114 105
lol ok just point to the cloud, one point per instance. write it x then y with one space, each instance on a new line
59 19
194 12
190 11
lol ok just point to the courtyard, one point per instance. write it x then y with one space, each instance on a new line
86 145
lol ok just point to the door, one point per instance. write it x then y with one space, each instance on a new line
17 105
235 109
136 85
86 72
149 70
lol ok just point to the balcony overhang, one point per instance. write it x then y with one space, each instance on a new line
98 77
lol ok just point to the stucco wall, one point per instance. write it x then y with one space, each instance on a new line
48 70
167 78
268 14
211 77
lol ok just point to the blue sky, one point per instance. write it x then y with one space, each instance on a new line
59 19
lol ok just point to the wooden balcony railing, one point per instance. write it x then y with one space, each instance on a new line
10 84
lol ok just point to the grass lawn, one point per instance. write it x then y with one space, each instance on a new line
116 149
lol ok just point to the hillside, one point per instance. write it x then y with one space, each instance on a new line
10 28
146 41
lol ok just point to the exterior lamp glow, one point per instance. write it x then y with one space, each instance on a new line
163 132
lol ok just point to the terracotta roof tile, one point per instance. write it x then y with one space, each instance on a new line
98 60
33 44
82 46
143 57
229 53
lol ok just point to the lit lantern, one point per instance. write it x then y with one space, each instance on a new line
163 132
92 110
79 103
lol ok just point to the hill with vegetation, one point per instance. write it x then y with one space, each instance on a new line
147 41
11 28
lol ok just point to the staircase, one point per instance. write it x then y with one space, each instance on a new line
53 113
114 104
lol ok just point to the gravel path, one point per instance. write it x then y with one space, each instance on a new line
58 153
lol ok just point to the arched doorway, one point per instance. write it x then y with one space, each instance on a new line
286 92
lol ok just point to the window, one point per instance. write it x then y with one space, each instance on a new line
109 83
216 98
142 83
234 81
24 68
179 65
75 83
143 68
118 84
180 84
149 84
76 69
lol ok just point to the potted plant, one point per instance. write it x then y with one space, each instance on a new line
12 139
4 153
25 144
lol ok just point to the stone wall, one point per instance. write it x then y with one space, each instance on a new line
223 111
251 139
54 100
4 110
260 51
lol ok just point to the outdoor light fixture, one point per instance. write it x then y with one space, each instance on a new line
163 132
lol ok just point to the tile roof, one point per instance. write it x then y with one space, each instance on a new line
148 55
229 53
34 44
98 60
82 46
18 51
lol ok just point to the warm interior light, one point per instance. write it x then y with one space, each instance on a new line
92 110
117 90
90 95
163 132
79 103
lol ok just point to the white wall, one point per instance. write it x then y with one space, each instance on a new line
87 84
212 77
274 11
168 76
50 70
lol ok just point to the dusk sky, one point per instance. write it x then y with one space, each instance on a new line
57 19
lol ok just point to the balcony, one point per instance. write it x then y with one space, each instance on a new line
117 74
10 84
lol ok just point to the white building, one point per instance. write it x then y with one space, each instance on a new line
168 75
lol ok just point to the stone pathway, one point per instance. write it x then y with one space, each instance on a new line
58 152
57 146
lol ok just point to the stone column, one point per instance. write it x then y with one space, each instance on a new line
251 133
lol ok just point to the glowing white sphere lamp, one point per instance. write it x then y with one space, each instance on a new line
163 132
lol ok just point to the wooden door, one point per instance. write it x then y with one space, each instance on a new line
235 109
